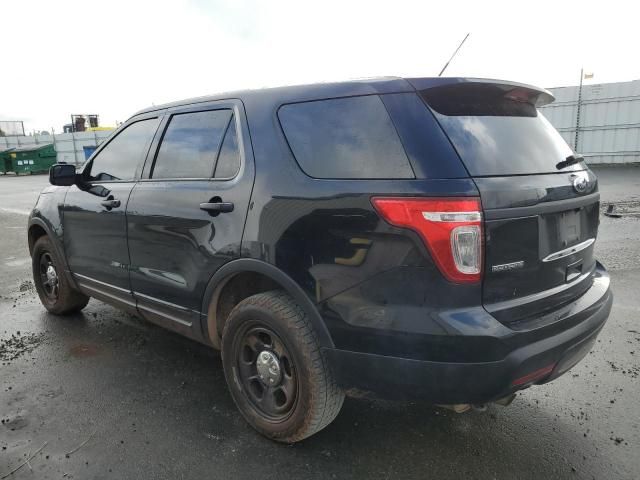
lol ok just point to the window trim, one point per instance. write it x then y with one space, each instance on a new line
141 162
224 137
395 129
186 109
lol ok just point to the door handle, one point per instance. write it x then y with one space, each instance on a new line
110 203
217 207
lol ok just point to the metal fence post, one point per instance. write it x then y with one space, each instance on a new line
73 144
575 142
54 146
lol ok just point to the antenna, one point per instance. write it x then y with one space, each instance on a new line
454 54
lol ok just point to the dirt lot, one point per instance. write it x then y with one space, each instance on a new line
105 395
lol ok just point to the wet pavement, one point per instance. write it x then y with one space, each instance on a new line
104 395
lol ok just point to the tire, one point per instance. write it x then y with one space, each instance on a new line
303 397
55 293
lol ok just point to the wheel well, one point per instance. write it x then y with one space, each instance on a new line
35 232
229 294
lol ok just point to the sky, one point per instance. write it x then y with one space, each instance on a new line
115 57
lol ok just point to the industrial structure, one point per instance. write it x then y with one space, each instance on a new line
81 123
599 121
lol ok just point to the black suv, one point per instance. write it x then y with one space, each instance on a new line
426 238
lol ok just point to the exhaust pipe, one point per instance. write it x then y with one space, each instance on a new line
480 407
458 407
505 401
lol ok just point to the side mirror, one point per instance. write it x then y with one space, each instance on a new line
62 174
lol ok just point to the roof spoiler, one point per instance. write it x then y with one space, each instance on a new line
535 96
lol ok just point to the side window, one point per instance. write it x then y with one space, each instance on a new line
229 159
345 138
191 144
119 159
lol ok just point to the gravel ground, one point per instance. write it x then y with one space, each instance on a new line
104 395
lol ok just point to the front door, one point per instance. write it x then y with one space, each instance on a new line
186 215
94 220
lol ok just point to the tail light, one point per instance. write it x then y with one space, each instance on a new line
451 228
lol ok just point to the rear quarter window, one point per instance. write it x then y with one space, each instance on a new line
350 138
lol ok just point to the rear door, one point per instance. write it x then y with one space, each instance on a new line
186 215
94 221
541 218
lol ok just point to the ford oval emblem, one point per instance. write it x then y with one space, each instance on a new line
580 183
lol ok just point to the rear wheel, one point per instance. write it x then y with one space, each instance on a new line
52 286
275 369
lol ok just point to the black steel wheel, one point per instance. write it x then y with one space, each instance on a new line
267 372
275 369
49 276
54 290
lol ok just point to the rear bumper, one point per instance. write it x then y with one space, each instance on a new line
532 359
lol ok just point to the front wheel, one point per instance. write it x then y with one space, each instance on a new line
52 286
275 369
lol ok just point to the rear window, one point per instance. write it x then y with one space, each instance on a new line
497 130
345 138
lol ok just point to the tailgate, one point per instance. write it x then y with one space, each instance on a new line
539 251
541 215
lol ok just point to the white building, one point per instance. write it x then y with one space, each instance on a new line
609 124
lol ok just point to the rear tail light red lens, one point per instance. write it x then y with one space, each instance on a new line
451 228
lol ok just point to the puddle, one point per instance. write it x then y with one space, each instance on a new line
18 263
84 350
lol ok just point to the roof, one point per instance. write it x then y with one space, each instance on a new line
319 90
367 86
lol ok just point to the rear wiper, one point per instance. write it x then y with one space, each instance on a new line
570 160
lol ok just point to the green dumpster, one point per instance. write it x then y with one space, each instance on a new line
5 160
31 159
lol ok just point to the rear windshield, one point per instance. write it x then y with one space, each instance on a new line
497 130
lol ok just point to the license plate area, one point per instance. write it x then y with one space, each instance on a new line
560 230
